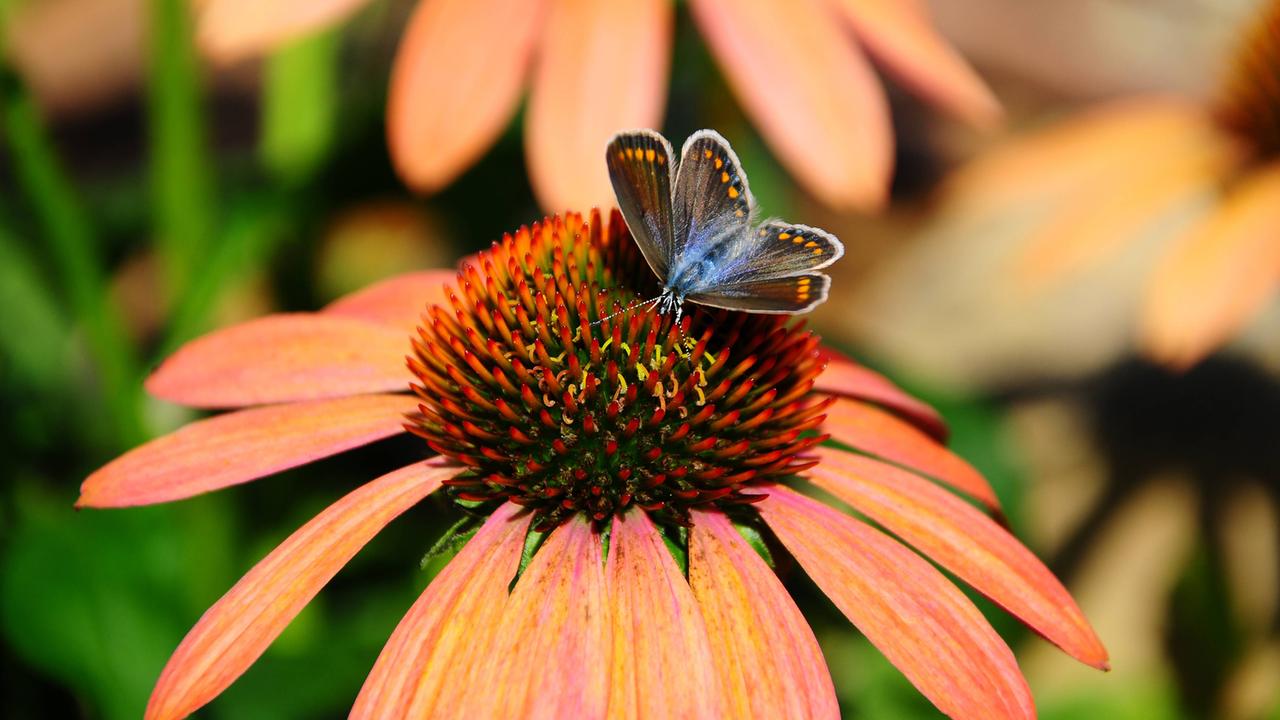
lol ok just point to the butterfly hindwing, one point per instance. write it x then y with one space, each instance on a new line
778 249
639 164
783 295
712 199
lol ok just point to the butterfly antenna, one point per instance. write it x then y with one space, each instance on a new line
632 306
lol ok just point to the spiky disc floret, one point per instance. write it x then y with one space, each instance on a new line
551 411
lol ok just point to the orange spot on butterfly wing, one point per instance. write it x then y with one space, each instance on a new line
733 192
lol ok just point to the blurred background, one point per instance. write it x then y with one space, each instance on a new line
148 194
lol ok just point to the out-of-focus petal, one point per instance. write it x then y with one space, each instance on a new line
602 68
1218 276
906 43
284 358
551 655
1097 222
230 30
662 658
811 93
921 622
241 446
964 541
428 665
846 377
876 432
769 662
239 627
455 84
1081 152
397 301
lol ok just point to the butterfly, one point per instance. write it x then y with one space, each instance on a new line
695 225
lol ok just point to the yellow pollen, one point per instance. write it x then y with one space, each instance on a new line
733 192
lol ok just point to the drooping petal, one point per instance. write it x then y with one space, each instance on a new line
964 541
876 432
552 650
1081 152
769 662
230 30
921 622
1218 276
237 447
284 358
662 657
810 92
429 663
1100 220
602 68
398 301
238 628
904 40
456 82
846 377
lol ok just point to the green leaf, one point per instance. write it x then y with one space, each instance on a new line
300 105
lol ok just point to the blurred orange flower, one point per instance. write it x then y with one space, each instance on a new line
594 66
549 428
1128 168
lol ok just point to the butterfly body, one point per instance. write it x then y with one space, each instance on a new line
694 223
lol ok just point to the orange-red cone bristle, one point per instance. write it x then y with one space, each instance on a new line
559 408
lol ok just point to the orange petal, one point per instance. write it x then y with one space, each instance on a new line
1082 152
553 645
1218 276
964 541
455 83
238 628
874 431
230 30
241 446
1100 220
848 378
809 90
602 68
769 661
428 664
903 39
921 622
662 659
284 358
397 301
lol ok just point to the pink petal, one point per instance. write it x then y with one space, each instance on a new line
810 92
284 358
921 622
241 446
1218 276
238 628
399 301
602 68
553 648
230 30
846 377
455 84
874 431
769 661
964 541
907 44
662 658
428 665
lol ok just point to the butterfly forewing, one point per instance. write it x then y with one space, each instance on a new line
712 200
640 170
784 295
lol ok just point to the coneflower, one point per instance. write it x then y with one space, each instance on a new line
648 465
